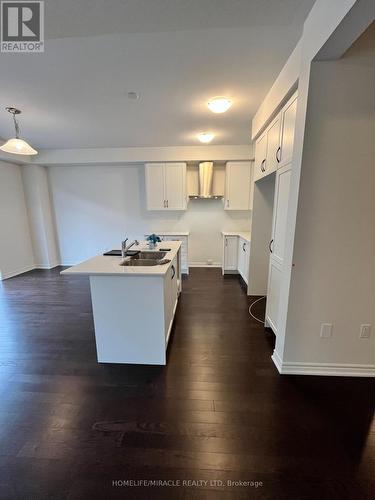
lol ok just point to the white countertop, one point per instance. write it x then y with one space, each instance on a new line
169 233
110 265
242 234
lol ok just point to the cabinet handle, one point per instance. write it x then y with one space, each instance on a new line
243 247
277 154
261 165
174 272
167 204
270 246
164 204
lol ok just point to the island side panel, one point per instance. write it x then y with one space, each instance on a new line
129 319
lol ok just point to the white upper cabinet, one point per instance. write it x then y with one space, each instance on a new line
274 148
238 183
260 156
166 186
287 132
155 186
175 186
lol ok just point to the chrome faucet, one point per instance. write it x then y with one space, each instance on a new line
125 248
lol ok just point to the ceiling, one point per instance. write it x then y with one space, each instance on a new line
175 53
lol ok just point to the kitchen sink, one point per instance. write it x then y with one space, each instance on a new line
150 255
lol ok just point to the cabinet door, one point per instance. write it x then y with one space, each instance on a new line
273 146
175 186
273 296
154 174
287 133
277 244
260 157
238 178
167 302
247 261
241 256
230 253
280 211
174 285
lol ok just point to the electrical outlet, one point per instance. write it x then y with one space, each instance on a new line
365 332
209 262
326 330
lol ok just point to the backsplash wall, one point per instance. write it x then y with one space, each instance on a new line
96 207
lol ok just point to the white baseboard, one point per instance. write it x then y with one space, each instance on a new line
204 264
47 267
16 272
325 369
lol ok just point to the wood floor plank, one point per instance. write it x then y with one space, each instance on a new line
219 411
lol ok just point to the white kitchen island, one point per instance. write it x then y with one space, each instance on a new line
133 307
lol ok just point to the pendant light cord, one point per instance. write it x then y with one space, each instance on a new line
16 126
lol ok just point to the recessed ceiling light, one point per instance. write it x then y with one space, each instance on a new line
219 104
133 95
205 137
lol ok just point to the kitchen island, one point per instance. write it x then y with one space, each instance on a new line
133 304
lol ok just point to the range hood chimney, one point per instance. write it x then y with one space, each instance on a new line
205 181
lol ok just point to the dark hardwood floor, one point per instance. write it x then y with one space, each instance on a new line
217 412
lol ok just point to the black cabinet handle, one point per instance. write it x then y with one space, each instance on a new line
243 247
174 272
277 154
270 246
261 165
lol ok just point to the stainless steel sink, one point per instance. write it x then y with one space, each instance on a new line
150 255
139 262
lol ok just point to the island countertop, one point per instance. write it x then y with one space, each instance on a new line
110 265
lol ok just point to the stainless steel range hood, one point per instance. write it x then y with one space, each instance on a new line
205 182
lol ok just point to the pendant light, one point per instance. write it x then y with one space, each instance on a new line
16 145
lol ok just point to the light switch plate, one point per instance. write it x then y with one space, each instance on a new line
326 330
365 332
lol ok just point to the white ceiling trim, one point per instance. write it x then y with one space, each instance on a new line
120 156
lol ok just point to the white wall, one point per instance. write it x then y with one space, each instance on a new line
334 274
38 204
96 206
16 253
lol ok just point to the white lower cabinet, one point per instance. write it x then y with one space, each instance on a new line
243 258
172 284
236 255
230 253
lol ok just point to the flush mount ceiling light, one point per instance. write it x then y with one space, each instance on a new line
205 137
219 104
16 145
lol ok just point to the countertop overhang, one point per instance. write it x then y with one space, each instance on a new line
110 265
242 234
